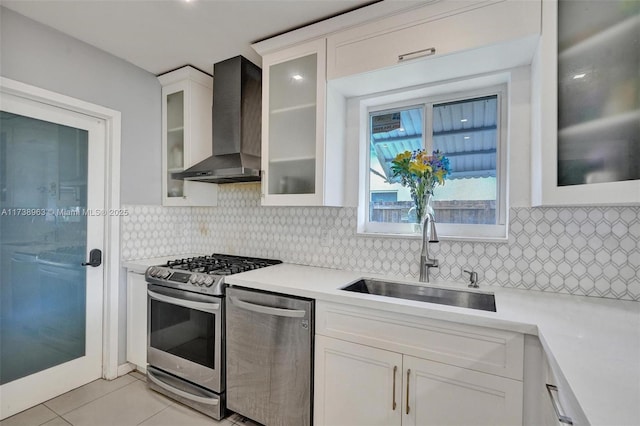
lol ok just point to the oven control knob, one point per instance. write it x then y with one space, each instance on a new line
208 281
193 278
165 274
200 280
152 271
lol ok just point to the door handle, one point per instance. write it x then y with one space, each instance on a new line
417 54
95 258
393 405
562 418
408 374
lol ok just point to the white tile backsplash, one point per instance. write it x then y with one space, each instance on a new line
593 251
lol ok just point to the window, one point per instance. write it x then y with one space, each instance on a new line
468 129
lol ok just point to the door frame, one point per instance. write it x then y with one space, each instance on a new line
111 270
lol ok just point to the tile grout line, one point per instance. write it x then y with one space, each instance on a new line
88 402
154 414
56 414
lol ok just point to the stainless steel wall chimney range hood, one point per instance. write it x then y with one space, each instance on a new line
237 120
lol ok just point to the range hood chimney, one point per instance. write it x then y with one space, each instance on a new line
237 119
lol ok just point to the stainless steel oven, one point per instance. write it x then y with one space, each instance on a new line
185 347
186 329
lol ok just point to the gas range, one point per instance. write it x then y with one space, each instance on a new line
203 274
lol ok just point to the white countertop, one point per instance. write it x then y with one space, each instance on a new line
140 266
594 341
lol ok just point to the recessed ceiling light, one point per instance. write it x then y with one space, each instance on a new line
579 76
401 129
464 120
297 77
467 137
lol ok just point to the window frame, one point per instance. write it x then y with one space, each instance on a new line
407 99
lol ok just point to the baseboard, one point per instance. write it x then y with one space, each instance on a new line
125 368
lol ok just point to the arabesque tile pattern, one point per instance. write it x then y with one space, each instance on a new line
593 251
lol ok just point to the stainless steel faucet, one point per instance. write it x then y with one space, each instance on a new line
473 279
426 261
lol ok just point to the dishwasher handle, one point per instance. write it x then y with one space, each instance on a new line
281 312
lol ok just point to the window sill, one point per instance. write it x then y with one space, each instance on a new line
370 234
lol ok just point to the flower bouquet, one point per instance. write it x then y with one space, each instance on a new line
420 172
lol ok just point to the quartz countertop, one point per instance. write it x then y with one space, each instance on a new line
594 341
140 265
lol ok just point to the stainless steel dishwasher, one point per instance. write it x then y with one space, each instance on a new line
269 357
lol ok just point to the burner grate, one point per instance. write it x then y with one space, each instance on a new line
220 264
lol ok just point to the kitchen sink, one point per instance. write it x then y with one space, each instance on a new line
442 296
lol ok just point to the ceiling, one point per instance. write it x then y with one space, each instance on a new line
161 35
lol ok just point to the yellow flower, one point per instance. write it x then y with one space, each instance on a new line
440 176
419 167
403 156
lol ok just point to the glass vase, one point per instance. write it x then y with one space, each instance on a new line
423 207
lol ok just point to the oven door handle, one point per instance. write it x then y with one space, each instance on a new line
199 306
180 392
281 312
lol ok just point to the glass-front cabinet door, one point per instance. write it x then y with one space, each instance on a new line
187 95
175 144
293 125
598 92
586 104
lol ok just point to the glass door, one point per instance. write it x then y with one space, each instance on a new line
51 201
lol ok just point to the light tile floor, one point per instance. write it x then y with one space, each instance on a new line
125 401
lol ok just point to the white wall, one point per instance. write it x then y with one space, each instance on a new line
41 56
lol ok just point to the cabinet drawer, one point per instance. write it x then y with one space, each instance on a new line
375 45
477 348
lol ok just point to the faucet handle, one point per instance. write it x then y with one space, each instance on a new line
473 278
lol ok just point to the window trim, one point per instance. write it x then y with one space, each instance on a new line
427 98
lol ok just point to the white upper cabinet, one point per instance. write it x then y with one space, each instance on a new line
299 164
187 96
585 116
435 30
308 74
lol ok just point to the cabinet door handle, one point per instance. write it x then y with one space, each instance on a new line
395 370
408 373
417 54
556 405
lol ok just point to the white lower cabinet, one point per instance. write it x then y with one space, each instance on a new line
137 320
441 394
376 368
357 385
